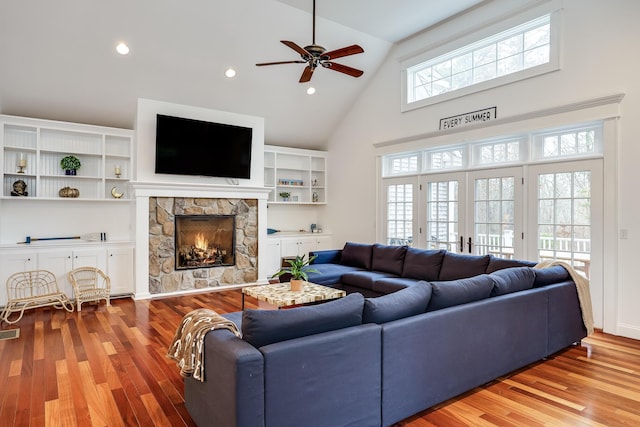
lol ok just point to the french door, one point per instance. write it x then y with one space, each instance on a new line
566 220
476 212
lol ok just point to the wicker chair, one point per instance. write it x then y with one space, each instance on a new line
33 289
90 284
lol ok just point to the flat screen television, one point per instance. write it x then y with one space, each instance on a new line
195 147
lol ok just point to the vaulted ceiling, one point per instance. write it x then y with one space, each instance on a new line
57 58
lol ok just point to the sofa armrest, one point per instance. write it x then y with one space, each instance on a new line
233 390
331 256
330 379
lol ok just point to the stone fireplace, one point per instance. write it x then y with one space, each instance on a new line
229 227
205 241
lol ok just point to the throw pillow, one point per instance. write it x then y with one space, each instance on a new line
457 266
388 259
404 303
462 291
496 263
549 275
423 264
512 279
264 327
357 255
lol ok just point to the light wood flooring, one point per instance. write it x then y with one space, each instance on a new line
106 366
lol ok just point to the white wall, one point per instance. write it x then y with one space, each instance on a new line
599 58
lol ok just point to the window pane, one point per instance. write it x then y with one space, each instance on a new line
442 70
536 37
484 55
537 56
462 63
485 72
510 46
509 65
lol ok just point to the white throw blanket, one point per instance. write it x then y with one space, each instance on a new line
187 347
582 286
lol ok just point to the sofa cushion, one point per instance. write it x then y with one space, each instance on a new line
263 327
423 264
496 263
388 259
513 279
458 266
364 279
330 274
392 284
357 255
325 257
462 291
549 275
404 303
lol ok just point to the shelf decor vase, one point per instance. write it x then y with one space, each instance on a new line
69 192
70 172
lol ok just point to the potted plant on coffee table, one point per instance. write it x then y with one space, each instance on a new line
298 269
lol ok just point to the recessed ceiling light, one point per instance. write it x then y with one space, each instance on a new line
122 48
230 72
311 90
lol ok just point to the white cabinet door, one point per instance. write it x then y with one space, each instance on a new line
120 270
323 243
289 247
273 256
59 262
11 263
299 246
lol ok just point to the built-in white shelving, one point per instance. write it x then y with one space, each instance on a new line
39 145
301 173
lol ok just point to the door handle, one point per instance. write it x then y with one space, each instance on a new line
461 244
469 243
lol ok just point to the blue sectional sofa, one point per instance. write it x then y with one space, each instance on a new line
433 325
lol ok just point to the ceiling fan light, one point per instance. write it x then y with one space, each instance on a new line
230 72
311 90
122 48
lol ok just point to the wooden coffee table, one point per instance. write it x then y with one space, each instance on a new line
280 295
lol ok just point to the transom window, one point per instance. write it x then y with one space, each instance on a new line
520 52
577 141
569 143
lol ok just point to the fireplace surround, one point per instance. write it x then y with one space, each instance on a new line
236 220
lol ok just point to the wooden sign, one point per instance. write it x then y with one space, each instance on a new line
466 119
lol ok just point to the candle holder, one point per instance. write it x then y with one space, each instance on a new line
22 164
117 171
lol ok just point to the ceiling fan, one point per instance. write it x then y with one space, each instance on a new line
315 55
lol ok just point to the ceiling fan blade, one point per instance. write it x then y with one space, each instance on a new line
343 69
280 62
307 74
345 51
295 47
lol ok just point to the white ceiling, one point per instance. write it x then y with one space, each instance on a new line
385 19
57 58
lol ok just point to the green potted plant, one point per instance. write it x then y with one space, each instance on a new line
70 164
285 196
298 269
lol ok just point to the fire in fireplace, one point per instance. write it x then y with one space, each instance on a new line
205 241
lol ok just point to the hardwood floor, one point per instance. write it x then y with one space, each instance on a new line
106 366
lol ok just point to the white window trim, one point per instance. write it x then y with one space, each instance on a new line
554 63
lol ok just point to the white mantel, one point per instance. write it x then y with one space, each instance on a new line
142 191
